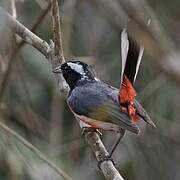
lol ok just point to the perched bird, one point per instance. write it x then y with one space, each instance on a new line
100 105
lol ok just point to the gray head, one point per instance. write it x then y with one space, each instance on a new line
74 71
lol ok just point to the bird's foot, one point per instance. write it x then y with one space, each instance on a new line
106 158
90 129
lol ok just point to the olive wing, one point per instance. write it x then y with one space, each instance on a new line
98 104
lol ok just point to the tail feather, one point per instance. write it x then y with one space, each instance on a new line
143 114
131 54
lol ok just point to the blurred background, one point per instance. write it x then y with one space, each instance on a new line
32 106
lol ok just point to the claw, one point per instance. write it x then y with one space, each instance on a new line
106 158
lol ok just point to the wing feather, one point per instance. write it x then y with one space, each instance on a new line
94 101
110 112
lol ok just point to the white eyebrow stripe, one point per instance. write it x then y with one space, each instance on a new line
77 67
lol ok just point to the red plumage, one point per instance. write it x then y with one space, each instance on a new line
127 96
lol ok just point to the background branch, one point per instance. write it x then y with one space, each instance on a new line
35 150
91 32
25 33
108 169
13 8
57 35
37 23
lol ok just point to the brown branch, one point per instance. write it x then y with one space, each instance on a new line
35 150
107 167
57 36
25 33
57 56
36 24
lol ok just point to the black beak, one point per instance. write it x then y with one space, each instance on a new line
57 69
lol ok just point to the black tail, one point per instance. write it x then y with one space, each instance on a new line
131 54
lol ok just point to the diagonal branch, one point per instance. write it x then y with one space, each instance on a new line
25 33
37 22
107 167
35 150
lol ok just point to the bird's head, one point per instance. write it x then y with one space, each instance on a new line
74 71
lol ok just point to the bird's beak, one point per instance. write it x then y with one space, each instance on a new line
57 69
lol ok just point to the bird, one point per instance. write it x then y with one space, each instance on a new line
100 105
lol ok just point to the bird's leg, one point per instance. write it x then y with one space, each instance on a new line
109 157
122 132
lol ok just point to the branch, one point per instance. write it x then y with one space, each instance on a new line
13 8
35 150
25 33
57 36
57 56
108 169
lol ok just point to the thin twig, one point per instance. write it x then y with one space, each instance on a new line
6 76
57 35
57 55
107 167
35 150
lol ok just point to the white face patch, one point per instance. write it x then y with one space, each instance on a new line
77 67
